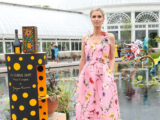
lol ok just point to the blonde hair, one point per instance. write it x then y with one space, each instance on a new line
97 9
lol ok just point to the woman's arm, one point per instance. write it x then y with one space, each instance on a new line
83 58
111 39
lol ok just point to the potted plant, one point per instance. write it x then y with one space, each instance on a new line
74 56
54 93
2 62
65 102
60 93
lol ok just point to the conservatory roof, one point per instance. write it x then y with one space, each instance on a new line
50 22
78 4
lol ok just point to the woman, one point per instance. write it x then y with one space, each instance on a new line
97 97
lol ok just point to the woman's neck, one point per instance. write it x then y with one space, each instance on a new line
97 31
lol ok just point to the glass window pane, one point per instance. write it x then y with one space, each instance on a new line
126 36
152 35
21 46
108 27
80 45
54 43
11 46
72 45
140 34
48 48
59 46
140 26
112 27
48 44
39 49
76 45
75 72
8 47
63 46
67 46
1 47
44 46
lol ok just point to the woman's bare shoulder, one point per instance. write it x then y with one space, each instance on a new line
111 38
111 35
84 38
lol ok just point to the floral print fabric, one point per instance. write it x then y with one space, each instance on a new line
96 94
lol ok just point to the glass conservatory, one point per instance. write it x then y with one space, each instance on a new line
128 20
61 27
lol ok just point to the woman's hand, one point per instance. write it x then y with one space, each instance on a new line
111 39
83 58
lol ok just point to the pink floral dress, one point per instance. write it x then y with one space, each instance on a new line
96 94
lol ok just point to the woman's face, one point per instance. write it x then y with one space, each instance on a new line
97 18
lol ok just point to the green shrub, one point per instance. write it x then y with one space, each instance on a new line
155 55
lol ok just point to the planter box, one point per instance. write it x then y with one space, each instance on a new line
57 116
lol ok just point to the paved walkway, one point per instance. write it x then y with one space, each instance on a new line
52 64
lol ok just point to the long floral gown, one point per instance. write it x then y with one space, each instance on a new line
96 94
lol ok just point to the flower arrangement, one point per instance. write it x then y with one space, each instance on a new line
62 90
53 91
64 103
